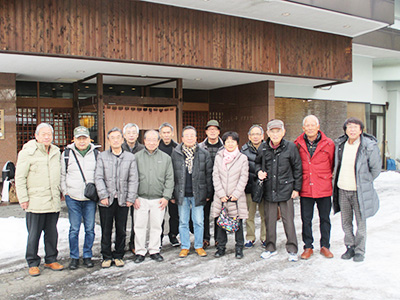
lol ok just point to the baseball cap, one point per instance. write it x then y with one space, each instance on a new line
213 123
275 124
81 131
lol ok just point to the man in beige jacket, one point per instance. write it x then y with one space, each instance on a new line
37 182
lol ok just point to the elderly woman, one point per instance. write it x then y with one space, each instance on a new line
230 175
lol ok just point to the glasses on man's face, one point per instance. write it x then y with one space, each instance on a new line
255 134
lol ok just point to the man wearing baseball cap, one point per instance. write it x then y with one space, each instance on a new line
81 151
212 144
282 175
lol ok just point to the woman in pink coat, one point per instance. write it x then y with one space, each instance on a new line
230 175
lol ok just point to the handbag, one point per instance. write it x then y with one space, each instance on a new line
90 191
227 223
258 186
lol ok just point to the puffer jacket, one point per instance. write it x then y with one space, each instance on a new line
317 169
37 177
136 149
212 150
367 169
121 170
284 171
251 154
201 176
230 181
72 183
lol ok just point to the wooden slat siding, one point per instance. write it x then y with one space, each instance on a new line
152 33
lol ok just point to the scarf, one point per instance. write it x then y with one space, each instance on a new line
189 157
229 156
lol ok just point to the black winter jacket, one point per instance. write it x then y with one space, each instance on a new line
201 176
251 154
284 170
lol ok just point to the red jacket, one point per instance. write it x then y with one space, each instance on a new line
317 170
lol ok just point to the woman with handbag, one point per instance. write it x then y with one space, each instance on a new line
230 175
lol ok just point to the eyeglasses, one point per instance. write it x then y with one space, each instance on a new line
255 134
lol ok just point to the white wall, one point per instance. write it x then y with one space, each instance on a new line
393 120
359 90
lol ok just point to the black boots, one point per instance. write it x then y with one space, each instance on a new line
239 253
220 252
74 264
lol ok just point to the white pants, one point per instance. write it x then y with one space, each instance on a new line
148 213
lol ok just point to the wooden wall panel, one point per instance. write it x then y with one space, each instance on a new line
158 34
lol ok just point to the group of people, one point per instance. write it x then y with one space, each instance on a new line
185 185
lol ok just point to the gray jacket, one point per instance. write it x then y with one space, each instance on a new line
117 177
72 183
367 168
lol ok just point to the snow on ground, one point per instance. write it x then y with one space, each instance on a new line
377 277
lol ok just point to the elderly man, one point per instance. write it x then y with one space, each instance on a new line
37 182
131 144
193 188
282 173
117 181
357 165
212 144
250 149
80 155
317 153
155 190
167 145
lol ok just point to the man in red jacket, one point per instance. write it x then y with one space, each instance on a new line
317 156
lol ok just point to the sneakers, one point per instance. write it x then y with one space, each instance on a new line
34 271
219 253
139 259
157 257
239 253
206 244
174 241
119 262
249 244
293 257
88 262
106 263
73 265
349 253
307 253
201 252
325 252
268 254
264 244
55 266
183 253
358 257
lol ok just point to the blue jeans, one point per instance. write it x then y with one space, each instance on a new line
76 211
198 223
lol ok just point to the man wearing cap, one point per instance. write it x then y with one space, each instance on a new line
282 175
212 144
80 208
37 181
317 154
131 144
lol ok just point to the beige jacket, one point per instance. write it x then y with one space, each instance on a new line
37 177
230 180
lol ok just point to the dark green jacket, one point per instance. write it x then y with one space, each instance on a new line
156 175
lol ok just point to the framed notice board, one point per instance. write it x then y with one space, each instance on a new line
1 124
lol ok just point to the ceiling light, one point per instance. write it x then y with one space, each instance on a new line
197 79
86 86
286 14
80 71
110 88
133 89
122 92
346 26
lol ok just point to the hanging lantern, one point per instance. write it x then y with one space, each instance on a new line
87 121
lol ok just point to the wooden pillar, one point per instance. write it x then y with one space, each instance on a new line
179 87
75 100
271 100
100 111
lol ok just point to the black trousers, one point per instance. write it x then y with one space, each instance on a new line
107 217
36 223
222 237
173 219
207 235
132 239
307 211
